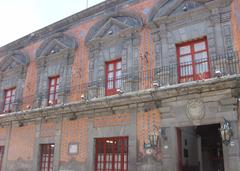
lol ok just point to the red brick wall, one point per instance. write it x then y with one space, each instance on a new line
80 65
3 134
236 23
22 142
31 78
112 120
145 125
48 129
74 132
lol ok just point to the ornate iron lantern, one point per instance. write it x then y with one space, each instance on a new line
154 139
226 132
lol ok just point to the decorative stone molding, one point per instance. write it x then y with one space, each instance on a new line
164 9
55 44
55 57
14 62
195 111
120 23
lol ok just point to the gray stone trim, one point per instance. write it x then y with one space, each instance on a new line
56 43
124 20
129 100
36 151
52 65
57 149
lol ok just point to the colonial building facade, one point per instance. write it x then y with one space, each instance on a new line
126 85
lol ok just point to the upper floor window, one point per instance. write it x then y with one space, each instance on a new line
193 60
113 76
53 90
111 154
9 100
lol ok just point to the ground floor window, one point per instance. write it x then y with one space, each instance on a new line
46 157
111 154
1 156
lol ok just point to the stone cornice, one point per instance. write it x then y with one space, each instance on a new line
128 101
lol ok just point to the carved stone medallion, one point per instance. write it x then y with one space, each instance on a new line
195 111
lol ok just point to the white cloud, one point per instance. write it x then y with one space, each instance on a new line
19 18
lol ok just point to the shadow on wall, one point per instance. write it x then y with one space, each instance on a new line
149 164
20 165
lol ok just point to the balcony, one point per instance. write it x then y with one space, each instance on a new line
218 67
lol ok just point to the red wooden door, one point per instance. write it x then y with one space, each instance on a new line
179 143
46 157
111 154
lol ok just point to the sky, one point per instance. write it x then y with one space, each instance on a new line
22 17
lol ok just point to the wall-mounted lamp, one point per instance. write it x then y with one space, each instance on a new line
218 73
84 98
73 117
20 124
156 84
226 132
154 138
120 91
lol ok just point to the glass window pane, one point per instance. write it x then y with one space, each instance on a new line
8 93
199 46
110 85
13 92
119 74
118 83
186 70
110 76
52 82
58 80
7 100
202 67
185 50
6 107
184 60
110 67
200 57
119 65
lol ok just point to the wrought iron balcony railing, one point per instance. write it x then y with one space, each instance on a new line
217 66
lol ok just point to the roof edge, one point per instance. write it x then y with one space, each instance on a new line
60 25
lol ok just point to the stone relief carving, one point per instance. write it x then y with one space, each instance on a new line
195 111
12 60
55 44
113 24
173 7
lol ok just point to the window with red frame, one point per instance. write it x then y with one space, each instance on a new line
53 91
46 157
1 156
111 154
113 76
193 60
9 100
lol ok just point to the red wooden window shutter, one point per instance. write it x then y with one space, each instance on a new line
113 76
53 90
193 60
9 100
